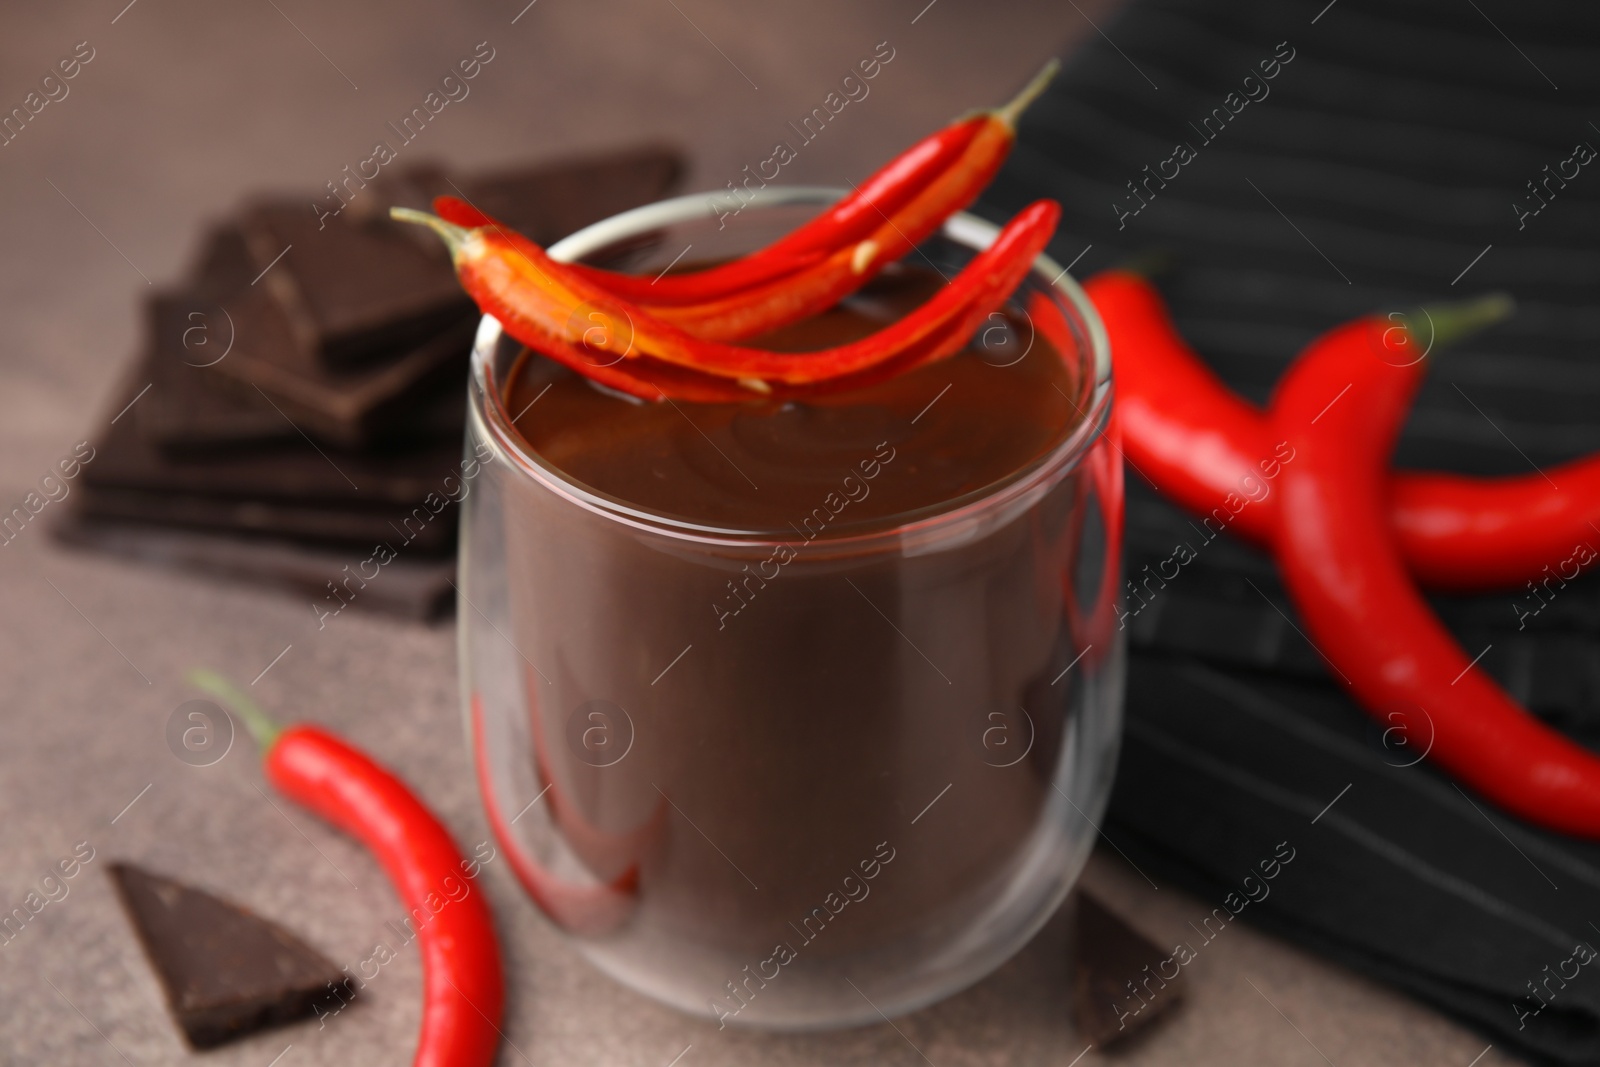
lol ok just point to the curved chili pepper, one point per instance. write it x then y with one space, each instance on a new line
545 305
644 379
1465 534
917 190
850 220
1341 407
1183 427
833 255
463 987
845 223
1198 442
757 309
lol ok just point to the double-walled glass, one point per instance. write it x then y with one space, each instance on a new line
860 793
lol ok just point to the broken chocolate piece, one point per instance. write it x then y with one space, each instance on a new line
355 284
414 586
226 369
350 407
547 203
402 495
225 971
1117 989
190 403
349 291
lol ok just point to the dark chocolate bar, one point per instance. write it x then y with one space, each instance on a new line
191 404
421 531
547 203
226 972
301 489
412 586
225 370
356 283
349 291
1116 988
350 407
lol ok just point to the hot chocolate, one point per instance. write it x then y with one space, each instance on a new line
799 677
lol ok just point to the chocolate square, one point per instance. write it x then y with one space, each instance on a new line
226 971
347 290
355 283
298 489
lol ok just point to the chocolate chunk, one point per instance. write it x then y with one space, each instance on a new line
349 291
226 972
351 407
412 586
547 203
190 403
218 346
1117 989
398 495
305 521
400 475
356 283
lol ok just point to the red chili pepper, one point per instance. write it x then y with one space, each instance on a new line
1198 442
463 988
1341 407
850 220
757 309
906 200
1465 534
548 307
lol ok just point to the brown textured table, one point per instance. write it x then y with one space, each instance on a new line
186 107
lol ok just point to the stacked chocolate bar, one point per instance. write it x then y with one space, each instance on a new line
300 397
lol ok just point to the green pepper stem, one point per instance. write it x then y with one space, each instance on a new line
1010 113
454 236
262 727
1448 323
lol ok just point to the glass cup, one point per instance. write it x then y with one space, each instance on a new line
856 800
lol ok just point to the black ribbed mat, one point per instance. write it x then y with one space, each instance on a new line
1385 163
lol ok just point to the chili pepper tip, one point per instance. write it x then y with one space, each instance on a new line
454 236
1444 324
1010 113
261 725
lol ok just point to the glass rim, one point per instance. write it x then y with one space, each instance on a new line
490 417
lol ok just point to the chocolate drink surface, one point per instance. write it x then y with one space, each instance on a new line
797 675
768 467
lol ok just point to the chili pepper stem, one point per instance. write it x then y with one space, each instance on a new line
1011 112
454 236
1448 323
263 729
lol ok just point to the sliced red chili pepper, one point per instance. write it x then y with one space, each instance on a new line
1341 408
645 379
546 306
896 208
1198 442
827 259
757 309
463 986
